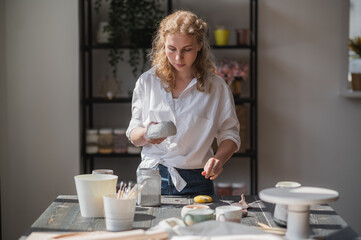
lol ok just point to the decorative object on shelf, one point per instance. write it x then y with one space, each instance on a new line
242 35
91 141
110 87
224 189
356 81
105 141
239 188
233 73
355 62
103 171
242 115
236 86
120 141
135 21
102 34
221 36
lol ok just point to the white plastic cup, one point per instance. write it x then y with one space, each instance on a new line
90 189
119 213
229 214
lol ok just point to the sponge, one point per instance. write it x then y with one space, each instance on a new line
160 130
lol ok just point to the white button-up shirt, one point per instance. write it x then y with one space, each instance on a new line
199 117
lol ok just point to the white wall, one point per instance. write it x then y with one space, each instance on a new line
3 129
307 131
41 108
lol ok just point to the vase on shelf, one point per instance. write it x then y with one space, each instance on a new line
242 36
236 86
110 87
355 70
221 36
356 81
102 34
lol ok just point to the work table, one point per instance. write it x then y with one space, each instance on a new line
63 215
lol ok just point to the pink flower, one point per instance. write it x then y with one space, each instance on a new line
229 69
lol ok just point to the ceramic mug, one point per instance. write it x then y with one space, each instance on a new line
197 216
188 208
229 214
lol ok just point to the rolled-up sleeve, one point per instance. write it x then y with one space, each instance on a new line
228 124
137 104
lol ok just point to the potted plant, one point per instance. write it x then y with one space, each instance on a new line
354 45
131 23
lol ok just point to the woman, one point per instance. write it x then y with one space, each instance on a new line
182 87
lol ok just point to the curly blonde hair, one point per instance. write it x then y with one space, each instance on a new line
184 22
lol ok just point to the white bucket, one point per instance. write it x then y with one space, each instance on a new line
91 188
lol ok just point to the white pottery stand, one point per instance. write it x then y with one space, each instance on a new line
298 201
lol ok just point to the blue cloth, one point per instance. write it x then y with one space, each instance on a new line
197 184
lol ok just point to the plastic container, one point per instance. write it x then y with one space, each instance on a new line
105 141
150 195
120 141
224 189
91 141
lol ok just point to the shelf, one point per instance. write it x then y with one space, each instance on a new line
246 154
232 47
112 155
107 46
101 100
348 93
91 104
106 100
127 155
243 100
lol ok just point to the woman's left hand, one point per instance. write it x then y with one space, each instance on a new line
213 168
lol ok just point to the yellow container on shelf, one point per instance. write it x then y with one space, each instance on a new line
221 36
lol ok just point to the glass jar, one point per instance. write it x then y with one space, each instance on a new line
120 141
224 189
150 195
91 141
105 141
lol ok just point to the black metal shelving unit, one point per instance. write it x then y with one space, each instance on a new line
88 101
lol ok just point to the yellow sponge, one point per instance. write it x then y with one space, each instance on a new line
202 199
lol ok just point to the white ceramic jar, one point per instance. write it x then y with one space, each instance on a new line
91 141
105 141
281 211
